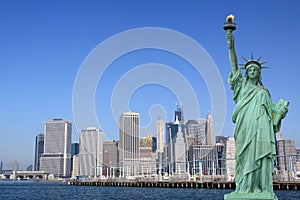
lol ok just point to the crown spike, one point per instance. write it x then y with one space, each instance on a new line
252 60
263 62
259 58
245 59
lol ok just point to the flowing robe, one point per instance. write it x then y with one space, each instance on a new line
253 134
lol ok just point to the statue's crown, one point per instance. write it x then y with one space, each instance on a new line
253 61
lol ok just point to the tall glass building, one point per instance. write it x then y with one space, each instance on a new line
56 158
1 167
179 114
39 150
129 147
90 152
74 151
196 128
160 135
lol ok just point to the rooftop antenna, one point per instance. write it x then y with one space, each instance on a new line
176 102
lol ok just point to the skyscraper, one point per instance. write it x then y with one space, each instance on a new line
90 152
171 132
111 158
74 151
147 161
285 162
179 114
210 137
160 135
75 167
154 144
207 156
39 150
1 167
227 160
15 166
56 158
195 128
172 129
129 142
180 153
29 167
160 143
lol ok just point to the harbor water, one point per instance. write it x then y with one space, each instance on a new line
61 190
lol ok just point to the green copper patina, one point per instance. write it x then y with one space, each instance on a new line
256 120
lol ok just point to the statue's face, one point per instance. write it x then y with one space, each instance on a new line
253 72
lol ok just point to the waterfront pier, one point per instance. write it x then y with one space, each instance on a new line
187 184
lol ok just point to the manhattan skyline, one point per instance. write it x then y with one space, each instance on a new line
43 45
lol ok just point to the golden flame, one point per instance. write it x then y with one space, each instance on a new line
230 18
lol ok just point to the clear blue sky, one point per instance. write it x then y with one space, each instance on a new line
43 44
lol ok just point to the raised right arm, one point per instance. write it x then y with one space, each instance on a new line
232 53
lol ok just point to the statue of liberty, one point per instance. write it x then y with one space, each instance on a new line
257 118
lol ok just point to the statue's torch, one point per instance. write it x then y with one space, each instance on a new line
229 25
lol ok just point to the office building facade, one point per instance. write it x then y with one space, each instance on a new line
90 152
39 150
286 159
56 158
180 159
204 159
15 166
226 156
160 135
129 147
74 151
111 158
75 165
209 130
178 114
195 128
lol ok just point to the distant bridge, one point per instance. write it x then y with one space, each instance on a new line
31 175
